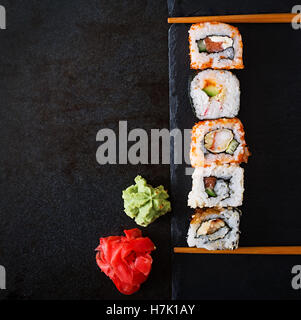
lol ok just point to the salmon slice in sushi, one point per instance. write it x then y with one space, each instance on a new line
215 45
218 141
214 229
215 94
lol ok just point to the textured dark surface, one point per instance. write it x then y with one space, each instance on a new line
69 69
271 114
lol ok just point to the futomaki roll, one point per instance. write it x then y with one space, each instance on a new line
218 142
215 45
214 229
217 186
215 94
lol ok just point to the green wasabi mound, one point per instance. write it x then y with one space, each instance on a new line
145 203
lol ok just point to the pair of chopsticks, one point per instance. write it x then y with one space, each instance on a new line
240 18
283 250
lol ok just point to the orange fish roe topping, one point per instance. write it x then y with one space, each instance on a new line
200 129
202 60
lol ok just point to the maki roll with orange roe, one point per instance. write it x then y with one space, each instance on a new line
218 142
215 45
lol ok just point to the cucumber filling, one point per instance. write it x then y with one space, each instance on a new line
232 146
201 46
210 192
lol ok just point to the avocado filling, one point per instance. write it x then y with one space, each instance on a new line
211 91
211 88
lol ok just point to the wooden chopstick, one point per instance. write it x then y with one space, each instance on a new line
240 18
285 250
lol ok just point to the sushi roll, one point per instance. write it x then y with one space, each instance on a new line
218 142
215 45
214 229
217 186
215 94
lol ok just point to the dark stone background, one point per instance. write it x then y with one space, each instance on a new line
67 69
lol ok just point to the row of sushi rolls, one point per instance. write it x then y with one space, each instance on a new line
217 148
218 143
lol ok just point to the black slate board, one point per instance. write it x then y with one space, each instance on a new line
271 114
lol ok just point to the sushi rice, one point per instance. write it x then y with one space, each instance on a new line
229 38
218 143
225 103
227 191
214 229
226 135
